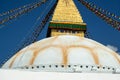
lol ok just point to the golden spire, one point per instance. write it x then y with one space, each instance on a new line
66 17
66 11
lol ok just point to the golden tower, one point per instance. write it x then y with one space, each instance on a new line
66 20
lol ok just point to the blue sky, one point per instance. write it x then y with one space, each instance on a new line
12 33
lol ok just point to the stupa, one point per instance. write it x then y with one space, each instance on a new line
66 49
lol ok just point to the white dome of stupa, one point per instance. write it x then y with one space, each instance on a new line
64 50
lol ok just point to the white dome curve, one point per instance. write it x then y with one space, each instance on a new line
64 50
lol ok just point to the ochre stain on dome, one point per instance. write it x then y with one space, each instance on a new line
94 55
30 48
13 60
65 46
65 55
34 56
116 56
111 52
